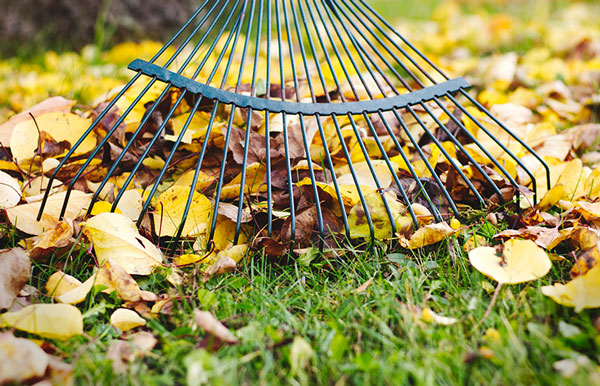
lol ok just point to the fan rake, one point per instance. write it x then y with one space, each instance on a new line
327 100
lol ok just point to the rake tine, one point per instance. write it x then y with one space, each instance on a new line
249 119
242 16
320 126
267 122
516 137
402 191
284 120
465 152
302 125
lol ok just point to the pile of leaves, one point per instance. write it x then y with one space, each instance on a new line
547 95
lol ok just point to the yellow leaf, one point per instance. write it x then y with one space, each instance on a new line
516 261
431 317
102 207
125 319
116 237
427 235
66 289
10 191
22 359
192 258
54 321
60 126
554 195
127 288
357 218
24 217
170 206
581 292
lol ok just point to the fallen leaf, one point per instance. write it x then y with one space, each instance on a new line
363 287
516 261
15 268
10 191
212 326
116 237
427 235
169 209
431 317
125 319
22 360
581 292
58 126
51 240
65 289
24 216
54 321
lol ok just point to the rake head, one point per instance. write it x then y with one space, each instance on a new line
301 120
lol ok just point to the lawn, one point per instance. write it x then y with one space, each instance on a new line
368 313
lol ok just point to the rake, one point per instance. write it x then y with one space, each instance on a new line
296 73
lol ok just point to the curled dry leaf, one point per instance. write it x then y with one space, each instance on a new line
54 321
427 235
10 191
24 216
212 326
22 359
357 219
125 319
51 240
516 261
429 316
116 237
67 289
55 127
581 292
14 274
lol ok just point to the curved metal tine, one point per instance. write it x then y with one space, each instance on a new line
445 153
193 111
499 143
516 137
284 122
379 54
108 108
233 107
353 123
301 116
464 151
427 164
238 223
320 126
392 135
368 120
267 122
159 131
134 134
479 145
404 40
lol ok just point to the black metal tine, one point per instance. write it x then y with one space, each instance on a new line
320 126
445 153
498 142
109 107
404 40
232 113
465 152
359 139
433 138
249 119
479 145
267 122
190 117
402 191
516 137
141 126
134 135
380 55
284 122
301 116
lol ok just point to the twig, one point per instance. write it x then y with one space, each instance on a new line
492 302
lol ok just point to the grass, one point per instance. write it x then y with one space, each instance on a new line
373 337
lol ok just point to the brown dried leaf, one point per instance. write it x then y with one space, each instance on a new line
14 274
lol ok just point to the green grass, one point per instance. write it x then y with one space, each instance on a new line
374 337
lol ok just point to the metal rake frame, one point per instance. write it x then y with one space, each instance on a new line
358 48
